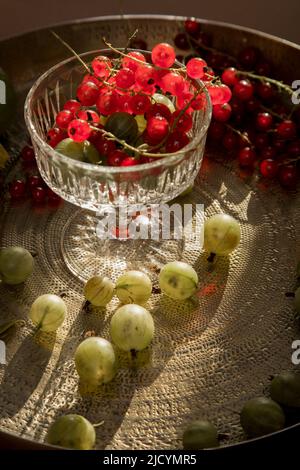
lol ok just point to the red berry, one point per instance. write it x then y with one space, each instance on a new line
264 121
116 157
79 130
104 146
39 195
288 176
268 152
222 112
192 27
53 198
181 41
157 128
173 83
294 148
89 115
229 76
145 78
252 105
27 154
265 91
243 90
158 109
195 68
184 123
219 94
163 55
268 168
140 104
91 78
63 119
107 103
138 43
129 161
246 157
87 93
176 141
209 74
248 57
216 131
263 68
261 140
125 78
133 60
286 129
72 105
55 135
34 181
101 66
230 140
17 189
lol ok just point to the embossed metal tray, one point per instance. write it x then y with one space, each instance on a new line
208 357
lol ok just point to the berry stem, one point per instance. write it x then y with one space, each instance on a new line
264 79
241 134
268 110
71 49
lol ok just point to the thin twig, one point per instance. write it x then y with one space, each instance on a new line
70 49
264 79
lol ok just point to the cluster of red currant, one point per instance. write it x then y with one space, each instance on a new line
133 111
255 125
31 184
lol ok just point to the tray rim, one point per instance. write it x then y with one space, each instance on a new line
20 440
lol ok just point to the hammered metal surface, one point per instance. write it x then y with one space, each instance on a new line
208 355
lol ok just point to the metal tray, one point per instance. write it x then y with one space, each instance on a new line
208 357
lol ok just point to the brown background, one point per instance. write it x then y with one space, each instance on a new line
274 16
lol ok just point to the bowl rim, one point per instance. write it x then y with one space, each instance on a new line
170 160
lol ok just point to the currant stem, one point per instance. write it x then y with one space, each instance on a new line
70 49
241 134
263 79
268 110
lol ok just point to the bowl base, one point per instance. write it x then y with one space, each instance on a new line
86 253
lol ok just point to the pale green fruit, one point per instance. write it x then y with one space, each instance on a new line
48 312
95 361
261 416
222 234
99 291
200 434
133 287
178 280
72 431
16 264
81 151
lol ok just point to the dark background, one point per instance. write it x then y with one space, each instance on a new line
273 16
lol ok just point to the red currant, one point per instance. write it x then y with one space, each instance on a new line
91 78
53 198
243 90
216 131
63 119
87 93
286 129
79 130
129 161
39 195
124 103
158 109
27 155
192 27
184 121
133 60
219 94
163 55
89 115
265 91
125 78
268 152
173 83
294 148
116 157
104 146
17 189
140 104
101 66
72 105
145 78
261 140
288 176
246 157
196 68
248 57
157 128
268 168
264 121
222 112
230 140
252 105
181 41
263 68
176 141
229 76
55 135
34 181
107 103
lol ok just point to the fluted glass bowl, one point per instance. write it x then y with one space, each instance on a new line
101 188
88 185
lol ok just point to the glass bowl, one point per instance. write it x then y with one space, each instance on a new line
100 189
